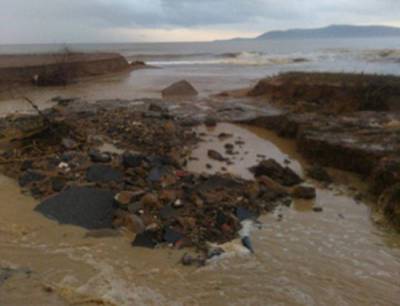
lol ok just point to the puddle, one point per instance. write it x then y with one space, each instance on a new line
336 257
250 146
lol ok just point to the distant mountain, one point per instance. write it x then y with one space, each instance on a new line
333 31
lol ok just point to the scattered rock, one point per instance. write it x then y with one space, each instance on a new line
210 122
132 160
124 198
215 155
146 239
103 173
57 184
29 177
100 157
317 209
320 174
150 200
181 88
69 144
304 192
172 236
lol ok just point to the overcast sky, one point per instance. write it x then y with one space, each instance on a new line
66 21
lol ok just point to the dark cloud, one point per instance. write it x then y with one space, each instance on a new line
94 20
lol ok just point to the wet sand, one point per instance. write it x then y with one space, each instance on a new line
337 257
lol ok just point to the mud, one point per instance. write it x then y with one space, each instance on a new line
302 258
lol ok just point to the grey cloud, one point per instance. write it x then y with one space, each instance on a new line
91 19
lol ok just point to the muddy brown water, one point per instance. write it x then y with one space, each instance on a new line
337 257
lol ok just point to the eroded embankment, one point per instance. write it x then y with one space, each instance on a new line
346 121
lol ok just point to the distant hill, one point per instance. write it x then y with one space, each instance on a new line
333 31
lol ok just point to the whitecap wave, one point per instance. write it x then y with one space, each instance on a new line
242 58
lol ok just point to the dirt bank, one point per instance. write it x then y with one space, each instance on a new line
346 121
331 92
24 68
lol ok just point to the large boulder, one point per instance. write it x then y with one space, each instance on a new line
90 208
181 88
280 174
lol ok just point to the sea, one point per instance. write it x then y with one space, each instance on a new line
217 66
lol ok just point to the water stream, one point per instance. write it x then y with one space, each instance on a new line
336 257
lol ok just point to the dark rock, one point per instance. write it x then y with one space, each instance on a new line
158 108
386 174
303 192
223 136
210 122
124 198
244 214
26 165
29 177
187 260
99 173
389 203
215 155
156 174
283 175
214 252
146 239
181 88
172 236
57 184
135 207
90 208
7 273
99 157
168 212
317 209
247 244
132 160
229 146
320 174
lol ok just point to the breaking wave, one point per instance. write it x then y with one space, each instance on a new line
240 58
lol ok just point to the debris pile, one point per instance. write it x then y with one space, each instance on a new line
103 167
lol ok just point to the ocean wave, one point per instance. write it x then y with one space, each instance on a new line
240 58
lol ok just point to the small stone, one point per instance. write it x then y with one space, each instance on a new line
124 198
147 239
303 192
30 177
132 160
99 157
150 200
320 174
69 143
223 135
172 236
187 260
215 155
229 147
57 184
317 209
210 122
103 173
178 203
